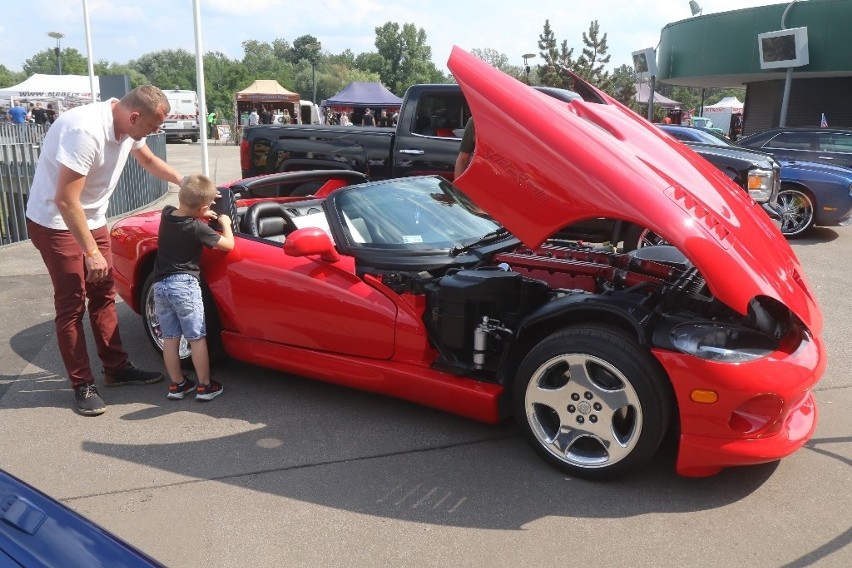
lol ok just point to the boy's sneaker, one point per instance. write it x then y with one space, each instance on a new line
89 402
132 375
177 391
208 392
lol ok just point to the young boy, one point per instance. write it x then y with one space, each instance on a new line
177 291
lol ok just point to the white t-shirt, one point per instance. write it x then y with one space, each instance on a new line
82 139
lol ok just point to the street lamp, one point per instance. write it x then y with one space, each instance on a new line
527 56
58 37
315 47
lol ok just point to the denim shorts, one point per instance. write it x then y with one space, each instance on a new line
179 308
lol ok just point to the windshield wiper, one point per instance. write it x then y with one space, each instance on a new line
494 235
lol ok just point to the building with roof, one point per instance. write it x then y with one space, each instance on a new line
721 50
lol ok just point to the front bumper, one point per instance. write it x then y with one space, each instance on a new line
709 435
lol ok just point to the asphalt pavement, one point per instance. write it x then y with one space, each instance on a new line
284 471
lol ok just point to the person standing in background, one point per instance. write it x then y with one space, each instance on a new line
466 148
211 124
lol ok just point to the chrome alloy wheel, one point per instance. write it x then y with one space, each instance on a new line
583 411
796 210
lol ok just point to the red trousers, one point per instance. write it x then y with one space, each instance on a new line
64 260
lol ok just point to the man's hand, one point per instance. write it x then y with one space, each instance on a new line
96 266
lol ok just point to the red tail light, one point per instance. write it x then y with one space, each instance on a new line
245 161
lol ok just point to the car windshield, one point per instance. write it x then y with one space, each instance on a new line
410 213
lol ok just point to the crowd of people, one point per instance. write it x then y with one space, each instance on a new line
368 118
30 113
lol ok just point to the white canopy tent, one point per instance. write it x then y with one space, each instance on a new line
721 112
69 90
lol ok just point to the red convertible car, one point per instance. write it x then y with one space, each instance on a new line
468 298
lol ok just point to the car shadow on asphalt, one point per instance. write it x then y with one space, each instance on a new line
370 454
816 236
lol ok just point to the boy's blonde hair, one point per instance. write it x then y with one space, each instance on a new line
197 190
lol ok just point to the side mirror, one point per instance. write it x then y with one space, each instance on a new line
310 241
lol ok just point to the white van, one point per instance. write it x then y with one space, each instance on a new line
309 113
183 120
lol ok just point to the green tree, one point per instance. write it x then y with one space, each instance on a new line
622 86
223 77
301 50
167 69
498 60
73 63
406 58
103 67
9 78
590 64
555 59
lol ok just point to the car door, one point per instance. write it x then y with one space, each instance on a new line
305 302
428 143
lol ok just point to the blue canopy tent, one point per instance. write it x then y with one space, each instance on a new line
357 97
360 94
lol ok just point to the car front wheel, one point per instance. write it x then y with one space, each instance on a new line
796 208
638 237
592 402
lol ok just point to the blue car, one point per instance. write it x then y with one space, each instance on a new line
812 193
38 531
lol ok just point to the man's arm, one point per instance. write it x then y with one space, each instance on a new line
69 187
155 166
462 160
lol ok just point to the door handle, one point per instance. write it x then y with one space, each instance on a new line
413 152
825 157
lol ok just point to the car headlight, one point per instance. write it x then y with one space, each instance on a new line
760 184
722 343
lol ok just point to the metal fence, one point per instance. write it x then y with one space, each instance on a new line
136 187
27 133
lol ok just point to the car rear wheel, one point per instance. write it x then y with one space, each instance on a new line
592 402
154 333
796 208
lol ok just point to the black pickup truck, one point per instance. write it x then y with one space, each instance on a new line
426 142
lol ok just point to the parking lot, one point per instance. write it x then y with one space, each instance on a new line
283 471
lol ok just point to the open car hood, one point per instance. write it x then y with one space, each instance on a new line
541 164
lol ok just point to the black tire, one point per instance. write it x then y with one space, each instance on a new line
797 209
215 349
637 237
592 402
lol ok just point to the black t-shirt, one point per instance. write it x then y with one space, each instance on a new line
180 240
39 115
265 117
369 120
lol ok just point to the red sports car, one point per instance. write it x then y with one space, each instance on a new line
469 298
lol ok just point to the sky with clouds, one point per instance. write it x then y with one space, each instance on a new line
122 30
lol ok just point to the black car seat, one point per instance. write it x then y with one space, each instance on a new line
268 220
